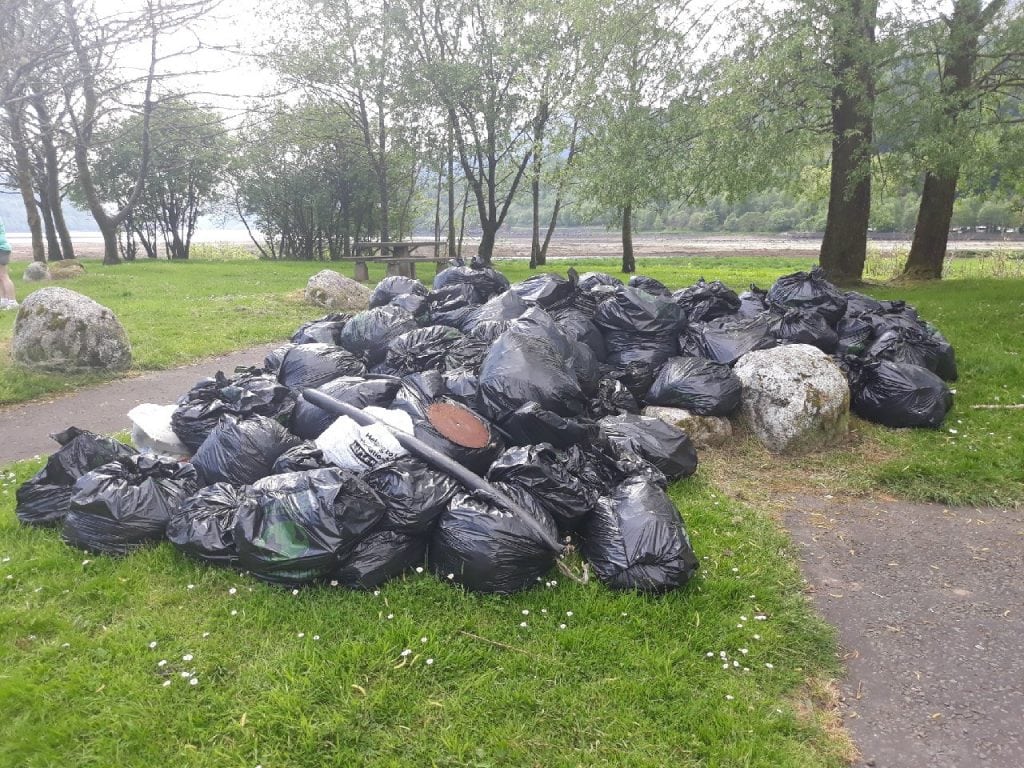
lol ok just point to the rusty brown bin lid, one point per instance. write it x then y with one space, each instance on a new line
459 424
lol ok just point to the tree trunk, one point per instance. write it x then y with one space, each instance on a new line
487 238
558 196
52 176
536 257
451 194
628 262
23 164
844 246
931 233
52 243
437 216
539 124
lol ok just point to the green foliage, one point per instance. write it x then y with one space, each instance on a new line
305 182
189 154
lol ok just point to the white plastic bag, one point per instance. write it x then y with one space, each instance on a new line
360 449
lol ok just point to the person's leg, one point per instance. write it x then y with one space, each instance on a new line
6 286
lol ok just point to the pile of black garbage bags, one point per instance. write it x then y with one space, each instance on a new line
555 369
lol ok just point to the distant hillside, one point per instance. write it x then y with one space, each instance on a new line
12 212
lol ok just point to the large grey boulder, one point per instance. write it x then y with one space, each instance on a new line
36 272
62 331
330 290
703 431
795 399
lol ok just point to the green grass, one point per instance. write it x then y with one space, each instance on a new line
177 312
627 682
976 457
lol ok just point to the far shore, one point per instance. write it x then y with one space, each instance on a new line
598 243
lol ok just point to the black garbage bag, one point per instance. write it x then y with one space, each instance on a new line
452 305
862 304
611 398
423 349
485 281
636 377
519 369
604 466
800 326
809 291
301 458
945 356
666 447
698 385
309 421
326 330
898 394
301 525
496 313
752 302
272 362
418 391
636 540
393 286
530 423
489 549
126 504
413 492
473 442
577 326
242 451
891 318
381 556
203 526
544 474
649 285
590 280
726 340
469 354
368 334
311 365
853 332
917 346
249 392
639 327
538 323
585 367
43 499
547 291
414 304
691 341
462 384
707 301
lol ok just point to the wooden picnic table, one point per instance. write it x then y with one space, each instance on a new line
398 255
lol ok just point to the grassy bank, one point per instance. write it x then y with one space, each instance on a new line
177 312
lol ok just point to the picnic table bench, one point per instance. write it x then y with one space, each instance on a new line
398 255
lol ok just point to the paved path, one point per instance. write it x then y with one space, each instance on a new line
929 603
25 429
